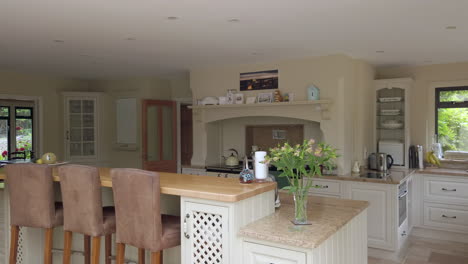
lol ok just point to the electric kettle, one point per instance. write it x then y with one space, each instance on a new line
384 162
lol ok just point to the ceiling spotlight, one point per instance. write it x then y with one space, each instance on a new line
130 39
172 18
233 20
380 51
59 40
451 27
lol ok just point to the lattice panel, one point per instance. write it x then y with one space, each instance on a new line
21 250
207 238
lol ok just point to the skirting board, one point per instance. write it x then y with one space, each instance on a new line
440 235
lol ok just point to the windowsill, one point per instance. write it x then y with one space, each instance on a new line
454 164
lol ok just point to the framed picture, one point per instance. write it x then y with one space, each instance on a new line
263 98
261 80
239 98
251 100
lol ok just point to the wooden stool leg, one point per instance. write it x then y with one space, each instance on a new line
14 243
87 249
141 256
108 249
120 253
48 246
156 257
67 244
95 253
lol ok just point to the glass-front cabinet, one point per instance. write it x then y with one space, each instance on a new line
81 127
392 118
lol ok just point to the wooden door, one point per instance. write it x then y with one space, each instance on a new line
159 129
186 135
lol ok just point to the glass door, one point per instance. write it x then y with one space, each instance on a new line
4 132
159 135
81 128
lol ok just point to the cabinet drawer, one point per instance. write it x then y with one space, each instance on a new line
447 217
449 190
323 186
261 254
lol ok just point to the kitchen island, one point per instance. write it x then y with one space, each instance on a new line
213 211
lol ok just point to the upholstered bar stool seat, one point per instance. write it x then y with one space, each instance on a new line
139 220
32 204
83 210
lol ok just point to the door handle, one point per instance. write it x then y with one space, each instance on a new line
321 186
452 217
186 234
68 135
449 190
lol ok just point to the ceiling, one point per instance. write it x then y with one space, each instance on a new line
134 38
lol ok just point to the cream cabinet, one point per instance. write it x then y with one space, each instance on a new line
210 228
81 122
391 122
442 203
326 188
262 254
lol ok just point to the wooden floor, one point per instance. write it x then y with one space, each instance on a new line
431 251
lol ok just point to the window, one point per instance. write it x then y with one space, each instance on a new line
16 127
452 118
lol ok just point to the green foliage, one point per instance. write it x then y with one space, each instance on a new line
453 122
301 162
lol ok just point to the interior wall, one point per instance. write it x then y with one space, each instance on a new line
422 93
233 131
337 76
48 88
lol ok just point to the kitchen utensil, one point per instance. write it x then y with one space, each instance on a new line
384 162
246 175
232 160
420 156
395 148
261 169
372 161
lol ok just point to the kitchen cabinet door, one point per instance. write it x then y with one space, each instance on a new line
205 237
382 213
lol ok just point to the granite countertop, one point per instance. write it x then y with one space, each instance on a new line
396 176
327 215
443 171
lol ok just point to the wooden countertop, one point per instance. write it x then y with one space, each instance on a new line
195 186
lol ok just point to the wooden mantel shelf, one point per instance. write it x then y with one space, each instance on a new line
264 109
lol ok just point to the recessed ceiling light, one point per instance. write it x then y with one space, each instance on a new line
451 27
172 18
59 40
233 20
130 38
379 51
427 61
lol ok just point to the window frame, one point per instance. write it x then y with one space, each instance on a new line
31 117
452 104
8 119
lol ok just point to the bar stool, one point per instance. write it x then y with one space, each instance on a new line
32 204
139 220
83 211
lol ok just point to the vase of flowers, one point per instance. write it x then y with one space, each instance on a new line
299 164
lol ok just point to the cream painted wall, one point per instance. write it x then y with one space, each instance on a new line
49 88
426 78
340 78
233 132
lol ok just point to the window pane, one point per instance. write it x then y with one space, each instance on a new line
23 112
23 134
453 128
4 111
454 96
88 106
3 139
88 120
75 106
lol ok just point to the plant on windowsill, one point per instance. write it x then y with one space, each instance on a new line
299 164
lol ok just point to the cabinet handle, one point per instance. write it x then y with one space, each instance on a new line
404 233
449 190
186 234
68 135
321 186
452 217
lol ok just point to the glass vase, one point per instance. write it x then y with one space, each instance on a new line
300 209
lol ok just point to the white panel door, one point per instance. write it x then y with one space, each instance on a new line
377 215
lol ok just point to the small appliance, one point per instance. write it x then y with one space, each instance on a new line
394 148
384 162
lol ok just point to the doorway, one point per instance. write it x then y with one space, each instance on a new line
159 134
186 135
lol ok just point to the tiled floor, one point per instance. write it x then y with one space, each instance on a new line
431 251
